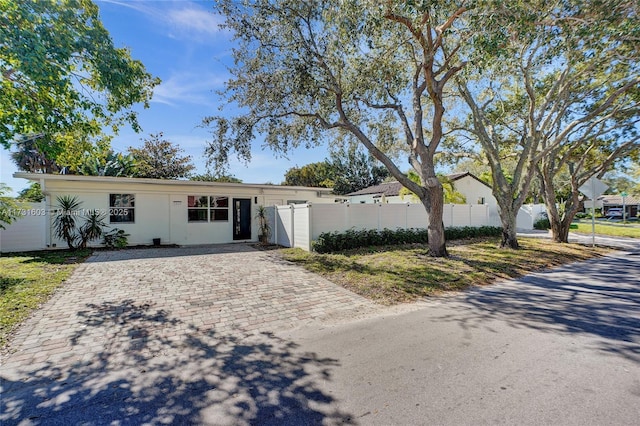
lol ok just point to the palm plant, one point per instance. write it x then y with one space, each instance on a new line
92 228
263 228
64 224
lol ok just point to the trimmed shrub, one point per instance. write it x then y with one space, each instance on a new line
329 242
542 222
115 239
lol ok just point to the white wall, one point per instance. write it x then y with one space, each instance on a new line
27 233
161 208
473 190
300 225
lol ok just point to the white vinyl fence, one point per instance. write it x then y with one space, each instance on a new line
28 232
298 225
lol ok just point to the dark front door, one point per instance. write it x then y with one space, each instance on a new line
241 219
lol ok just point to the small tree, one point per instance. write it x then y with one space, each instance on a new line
105 162
355 169
451 195
92 228
8 207
315 175
160 159
32 193
263 228
65 221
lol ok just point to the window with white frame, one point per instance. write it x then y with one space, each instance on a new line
206 208
122 208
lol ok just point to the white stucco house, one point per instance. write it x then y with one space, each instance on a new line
474 190
177 212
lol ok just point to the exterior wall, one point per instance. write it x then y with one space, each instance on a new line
474 191
27 233
160 208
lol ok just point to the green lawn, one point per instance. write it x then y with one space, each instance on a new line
27 280
396 274
616 229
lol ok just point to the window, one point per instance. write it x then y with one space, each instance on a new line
203 208
219 209
198 208
122 208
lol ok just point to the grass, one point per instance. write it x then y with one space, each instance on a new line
396 274
613 229
27 280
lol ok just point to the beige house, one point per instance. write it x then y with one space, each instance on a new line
474 190
177 212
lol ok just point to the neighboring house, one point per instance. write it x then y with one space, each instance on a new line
474 190
177 212
631 204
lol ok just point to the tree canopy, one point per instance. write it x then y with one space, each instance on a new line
355 169
346 170
60 72
32 193
554 92
9 208
158 158
371 72
315 175
211 178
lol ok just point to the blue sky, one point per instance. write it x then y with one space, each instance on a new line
181 42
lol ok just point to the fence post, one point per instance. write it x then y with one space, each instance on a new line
310 225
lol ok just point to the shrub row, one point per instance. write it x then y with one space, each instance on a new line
337 241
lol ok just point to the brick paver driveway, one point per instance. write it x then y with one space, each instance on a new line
169 335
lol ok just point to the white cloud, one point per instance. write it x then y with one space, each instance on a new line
195 21
181 19
189 87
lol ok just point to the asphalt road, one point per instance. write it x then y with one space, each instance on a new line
561 347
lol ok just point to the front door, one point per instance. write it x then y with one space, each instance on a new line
241 219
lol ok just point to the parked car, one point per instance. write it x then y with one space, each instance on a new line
614 213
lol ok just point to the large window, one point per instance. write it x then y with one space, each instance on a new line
203 208
122 208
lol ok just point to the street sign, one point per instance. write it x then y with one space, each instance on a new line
593 188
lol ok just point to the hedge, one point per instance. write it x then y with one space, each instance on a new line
337 241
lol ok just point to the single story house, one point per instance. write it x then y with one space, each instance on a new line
474 190
630 203
176 211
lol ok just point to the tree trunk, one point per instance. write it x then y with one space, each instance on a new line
509 233
559 230
434 205
559 218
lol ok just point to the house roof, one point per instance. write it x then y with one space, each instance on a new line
456 176
387 189
390 189
168 182
616 200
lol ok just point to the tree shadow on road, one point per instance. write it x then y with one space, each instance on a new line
605 303
155 368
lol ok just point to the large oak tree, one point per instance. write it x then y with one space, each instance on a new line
555 90
373 72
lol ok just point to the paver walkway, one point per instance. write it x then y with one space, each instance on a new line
161 312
